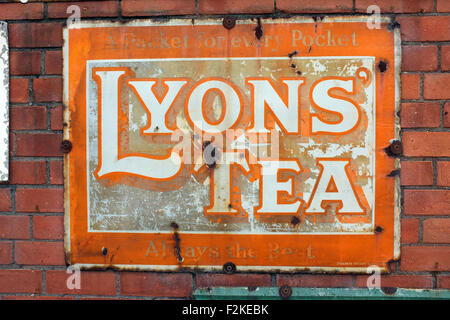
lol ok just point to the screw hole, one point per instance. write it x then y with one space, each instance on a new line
66 146
229 268
395 149
285 291
229 23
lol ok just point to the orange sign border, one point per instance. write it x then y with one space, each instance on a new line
332 252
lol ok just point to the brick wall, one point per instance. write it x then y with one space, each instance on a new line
32 263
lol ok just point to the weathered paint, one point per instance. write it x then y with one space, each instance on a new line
4 99
272 293
132 214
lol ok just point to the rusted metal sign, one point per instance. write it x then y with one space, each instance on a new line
4 100
249 144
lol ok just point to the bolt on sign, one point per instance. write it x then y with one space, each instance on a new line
259 144
4 100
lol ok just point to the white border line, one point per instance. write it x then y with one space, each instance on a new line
218 21
66 134
397 187
239 268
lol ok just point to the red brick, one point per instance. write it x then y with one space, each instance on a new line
18 90
5 200
38 144
445 58
399 281
47 89
436 230
426 144
5 253
14 227
24 63
140 8
27 172
443 282
206 280
88 9
108 298
410 231
53 62
20 281
235 6
443 6
315 281
418 173
435 86
410 86
35 35
18 11
34 297
39 200
91 283
397 6
425 28
39 253
443 173
156 284
28 118
315 6
12 144
419 58
56 118
56 172
447 115
425 258
48 227
426 202
421 114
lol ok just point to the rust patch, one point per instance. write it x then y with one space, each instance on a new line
258 30
176 238
293 54
378 229
295 220
382 65
389 290
394 173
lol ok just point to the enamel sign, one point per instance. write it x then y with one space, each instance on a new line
257 146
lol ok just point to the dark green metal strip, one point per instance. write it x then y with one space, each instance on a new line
272 293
